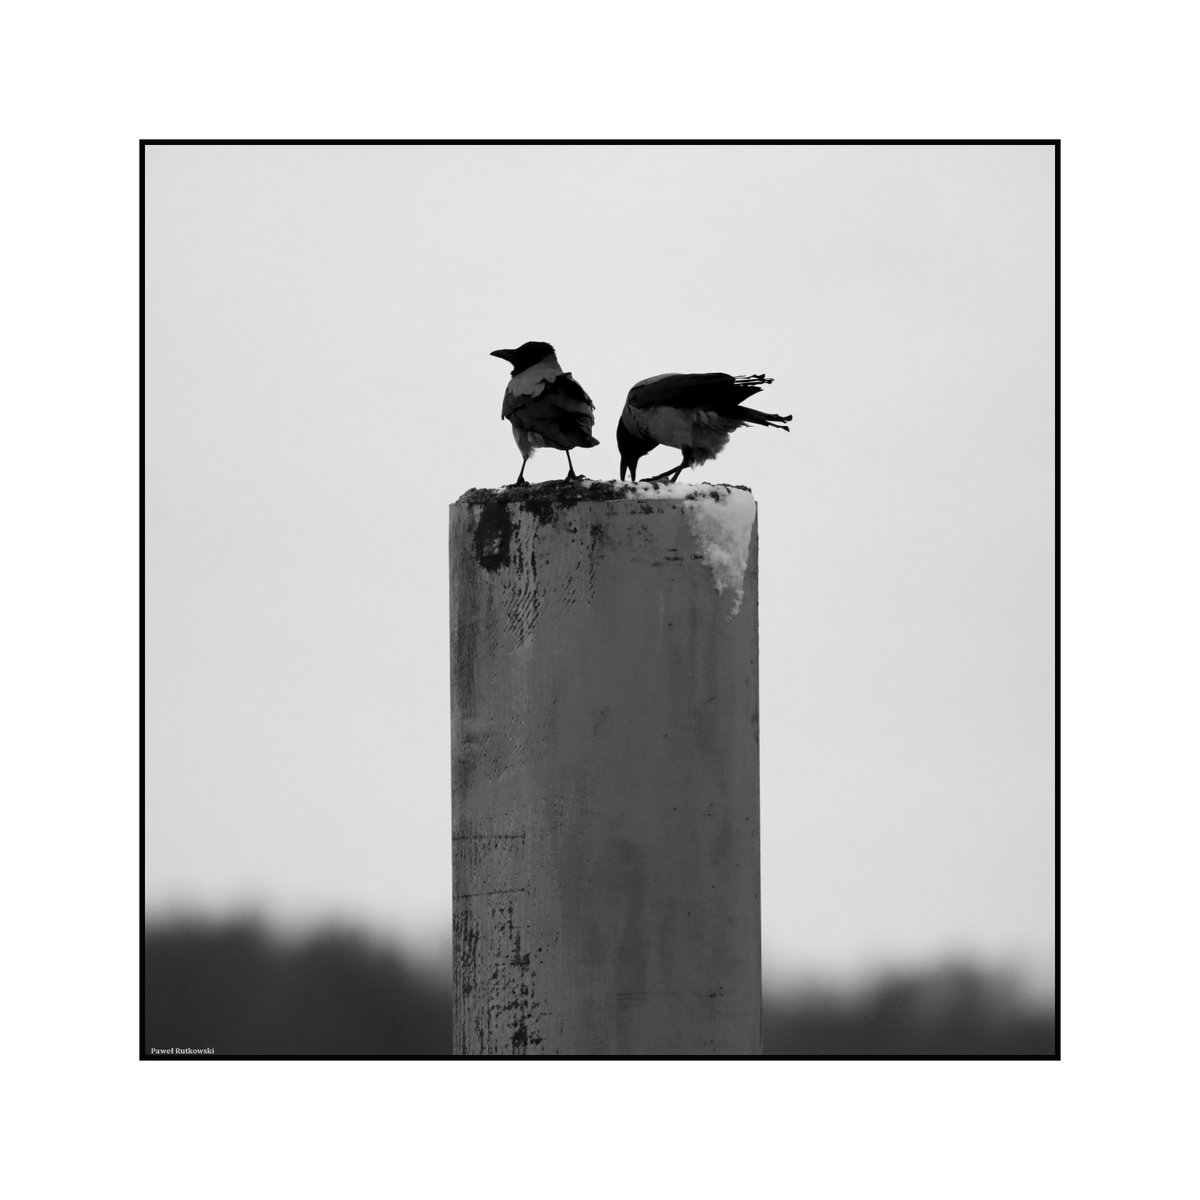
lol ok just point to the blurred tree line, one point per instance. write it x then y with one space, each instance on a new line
242 990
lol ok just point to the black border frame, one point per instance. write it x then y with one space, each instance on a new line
1055 142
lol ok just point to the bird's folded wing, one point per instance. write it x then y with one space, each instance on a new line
711 390
570 396
515 401
560 411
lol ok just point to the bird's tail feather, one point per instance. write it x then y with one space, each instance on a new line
746 386
772 420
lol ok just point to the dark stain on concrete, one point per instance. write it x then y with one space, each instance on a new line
544 507
543 499
519 979
466 963
493 536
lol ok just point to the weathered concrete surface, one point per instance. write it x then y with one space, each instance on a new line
605 770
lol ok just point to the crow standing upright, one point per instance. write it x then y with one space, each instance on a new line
695 413
545 405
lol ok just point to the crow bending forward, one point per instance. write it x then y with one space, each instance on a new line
694 413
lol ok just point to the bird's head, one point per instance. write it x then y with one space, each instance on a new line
632 448
525 356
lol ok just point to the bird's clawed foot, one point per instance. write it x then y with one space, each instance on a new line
571 472
671 476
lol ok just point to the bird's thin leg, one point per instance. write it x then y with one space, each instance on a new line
672 474
570 468
687 462
521 477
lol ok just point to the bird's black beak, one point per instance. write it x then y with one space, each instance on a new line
507 355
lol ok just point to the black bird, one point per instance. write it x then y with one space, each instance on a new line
695 413
545 404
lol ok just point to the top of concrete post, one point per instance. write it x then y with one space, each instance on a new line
564 493
720 517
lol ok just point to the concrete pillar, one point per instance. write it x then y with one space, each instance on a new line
604 693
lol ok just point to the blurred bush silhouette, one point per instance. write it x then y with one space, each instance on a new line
240 989
237 987
956 1008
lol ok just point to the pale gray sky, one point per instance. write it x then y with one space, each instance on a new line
318 321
